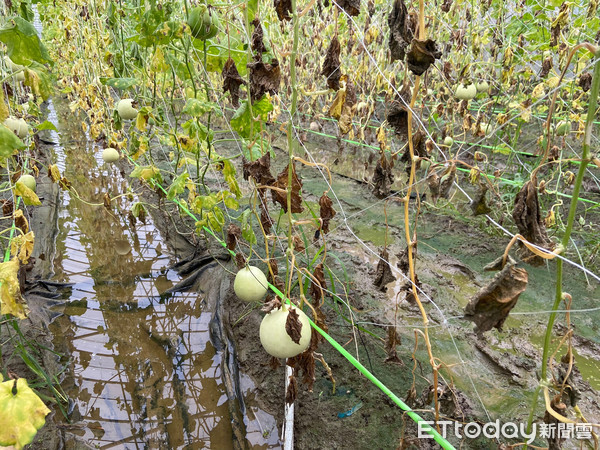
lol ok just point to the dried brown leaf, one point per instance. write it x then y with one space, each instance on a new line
433 181
352 7
331 65
292 390
397 118
585 81
240 260
271 303
402 29
421 55
7 207
234 233
402 256
492 304
383 274
259 169
293 326
283 9
393 339
265 218
478 204
264 78
305 363
21 221
232 81
282 183
65 185
274 363
106 200
447 180
326 212
298 243
546 66
530 222
382 177
318 286
256 42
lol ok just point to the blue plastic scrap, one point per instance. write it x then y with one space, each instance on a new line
350 411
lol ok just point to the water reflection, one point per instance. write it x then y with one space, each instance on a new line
144 373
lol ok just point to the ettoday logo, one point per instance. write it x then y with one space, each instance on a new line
508 430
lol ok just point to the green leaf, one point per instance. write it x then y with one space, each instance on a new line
229 174
197 108
153 27
198 130
257 148
242 119
25 11
39 80
247 231
119 83
230 201
23 44
252 6
216 219
9 142
22 413
178 185
46 125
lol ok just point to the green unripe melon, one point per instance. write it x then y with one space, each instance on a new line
28 180
110 155
274 337
126 110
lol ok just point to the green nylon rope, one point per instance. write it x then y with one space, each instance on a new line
362 369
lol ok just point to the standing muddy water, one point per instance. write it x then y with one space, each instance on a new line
142 372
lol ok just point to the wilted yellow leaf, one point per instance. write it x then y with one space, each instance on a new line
141 121
335 110
22 413
21 221
22 246
538 91
54 173
29 197
552 82
11 301
3 107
